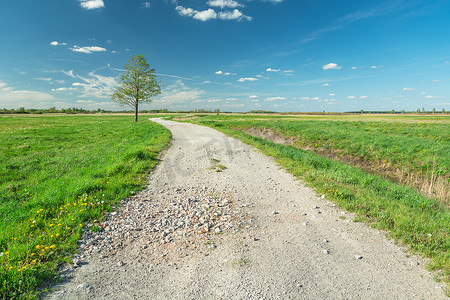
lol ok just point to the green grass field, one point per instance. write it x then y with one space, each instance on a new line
416 146
407 150
56 173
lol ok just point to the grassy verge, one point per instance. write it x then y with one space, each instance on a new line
56 173
412 153
422 223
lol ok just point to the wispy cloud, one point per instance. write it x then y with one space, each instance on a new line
13 98
274 98
179 93
272 70
247 79
146 5
383 9
69 73
234 15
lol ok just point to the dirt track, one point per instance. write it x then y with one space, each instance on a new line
281 240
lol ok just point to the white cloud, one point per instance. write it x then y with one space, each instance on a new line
224 73
272 70
43 79
224 3
332 94
331 66
84 101
247 79
199 15
374 67
88 50
305 98
354 68
234 15
214 100
351 97
363 97
326 84
146 5
55 43
288 71
183 11
207 81
274 98
259 76
210 14
253 96
205 15
92 4
431 97
409 89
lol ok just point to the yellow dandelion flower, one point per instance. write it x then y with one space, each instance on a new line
52 246
57 234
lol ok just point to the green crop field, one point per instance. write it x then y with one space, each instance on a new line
56 173
393 171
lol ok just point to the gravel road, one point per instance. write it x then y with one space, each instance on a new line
219 220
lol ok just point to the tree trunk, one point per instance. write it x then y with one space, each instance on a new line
136 111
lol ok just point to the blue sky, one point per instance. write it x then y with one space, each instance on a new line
235 55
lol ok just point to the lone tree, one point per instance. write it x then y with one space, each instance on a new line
138 84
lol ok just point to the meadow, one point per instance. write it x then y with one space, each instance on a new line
56 174
393 171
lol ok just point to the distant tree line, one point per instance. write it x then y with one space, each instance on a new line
75 110
418 111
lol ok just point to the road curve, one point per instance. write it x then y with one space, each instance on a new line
298 246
